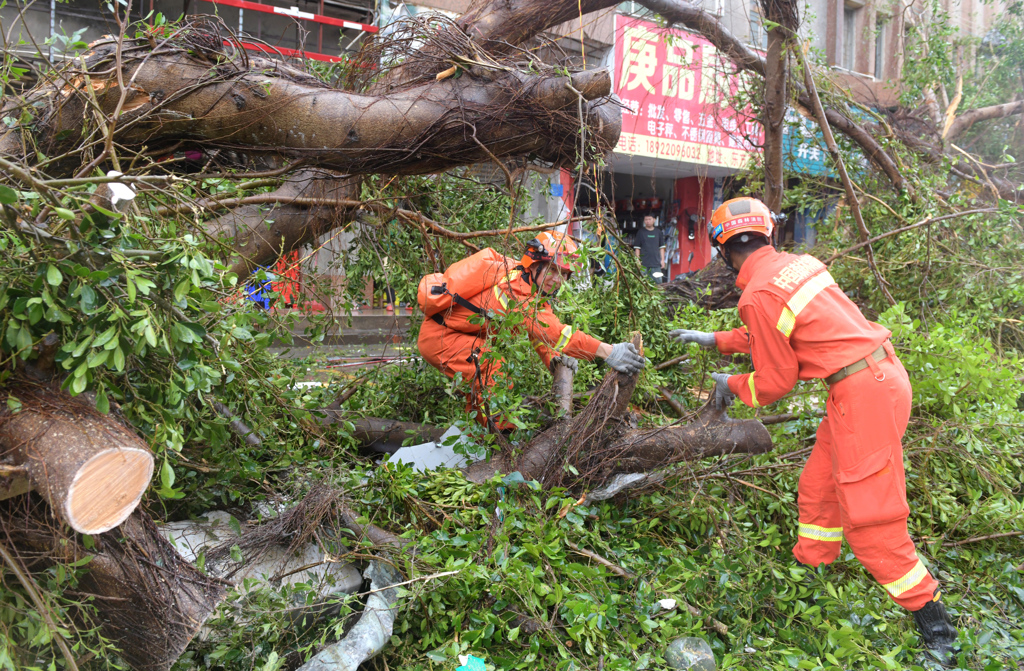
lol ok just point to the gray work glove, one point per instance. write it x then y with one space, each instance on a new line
625 359
702 338
567 361
722 395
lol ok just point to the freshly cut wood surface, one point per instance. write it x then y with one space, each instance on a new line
90 468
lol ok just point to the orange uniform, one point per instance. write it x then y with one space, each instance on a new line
800 325
449 343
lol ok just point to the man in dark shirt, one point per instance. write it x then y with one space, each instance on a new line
649 246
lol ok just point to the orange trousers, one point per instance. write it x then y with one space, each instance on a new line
854 484
451 352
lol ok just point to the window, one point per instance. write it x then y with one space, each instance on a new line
880 27
849 39
758 34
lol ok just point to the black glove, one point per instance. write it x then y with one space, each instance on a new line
721 394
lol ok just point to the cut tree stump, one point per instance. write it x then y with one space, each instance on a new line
149 601
91 469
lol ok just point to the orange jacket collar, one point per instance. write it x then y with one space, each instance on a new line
748 269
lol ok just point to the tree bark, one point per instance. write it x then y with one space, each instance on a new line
150 601
372 430
421 129
258 234
966 121
783 22
600 441
90 468
561 387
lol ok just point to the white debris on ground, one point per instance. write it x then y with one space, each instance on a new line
373 630
310 564
428 456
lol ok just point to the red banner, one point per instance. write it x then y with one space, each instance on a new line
676 89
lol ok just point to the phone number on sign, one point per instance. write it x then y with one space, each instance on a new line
670 149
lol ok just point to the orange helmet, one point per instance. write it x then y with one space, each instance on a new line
552 246
740 215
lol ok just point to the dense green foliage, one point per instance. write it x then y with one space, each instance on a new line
151 322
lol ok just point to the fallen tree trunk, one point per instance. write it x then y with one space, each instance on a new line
150 601
196 92
89 467
600 441
369 431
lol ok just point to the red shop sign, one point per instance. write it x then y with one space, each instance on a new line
676 89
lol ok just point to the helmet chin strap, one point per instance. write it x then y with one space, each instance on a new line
728 259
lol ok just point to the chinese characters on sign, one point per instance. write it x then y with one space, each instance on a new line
675 91
803 146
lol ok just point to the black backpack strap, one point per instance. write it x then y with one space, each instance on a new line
438 319
469 306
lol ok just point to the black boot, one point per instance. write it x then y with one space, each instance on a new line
937 632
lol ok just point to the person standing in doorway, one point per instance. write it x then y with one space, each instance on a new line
649 246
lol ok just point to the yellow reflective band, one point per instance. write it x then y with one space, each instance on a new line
563 339
753 393
809 290
911 580
786 322
799 300
500 295
816 533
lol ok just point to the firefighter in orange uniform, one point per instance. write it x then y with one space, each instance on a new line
456 341
801 326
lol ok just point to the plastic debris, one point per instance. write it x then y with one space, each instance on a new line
121 195
667 604
690 653
327 577
619 483
373 630
471 663
428 456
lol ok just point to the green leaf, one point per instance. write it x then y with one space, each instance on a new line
105 337
98 358
53 275
24 340
513 634
13 404
64 213
167 475
8 196
102 402
150 335
119 359
78 384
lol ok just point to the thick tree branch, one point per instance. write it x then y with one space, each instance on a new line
966 121
851 195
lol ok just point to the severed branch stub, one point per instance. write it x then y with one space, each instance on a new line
561 387
90 468
601 441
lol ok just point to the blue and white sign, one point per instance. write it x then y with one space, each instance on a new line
803 146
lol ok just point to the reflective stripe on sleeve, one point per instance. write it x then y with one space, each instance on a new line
816 533
563 339
909 581
753 392
786 322
500 295
799 300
